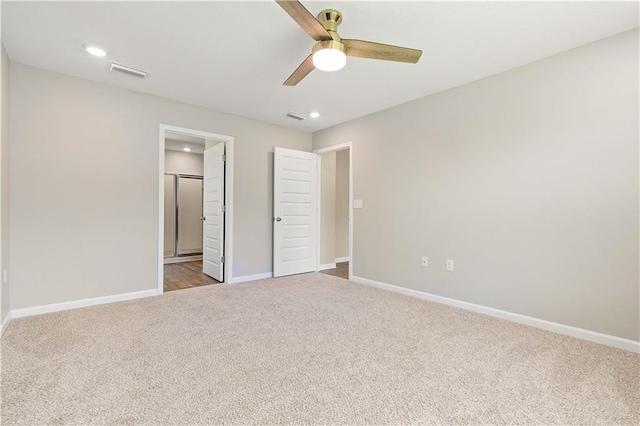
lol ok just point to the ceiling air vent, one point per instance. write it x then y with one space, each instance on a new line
297 116
128 70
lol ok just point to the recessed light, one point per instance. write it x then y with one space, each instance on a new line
96 51
314 114
186 149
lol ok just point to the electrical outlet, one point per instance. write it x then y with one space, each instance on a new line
450 265
425 261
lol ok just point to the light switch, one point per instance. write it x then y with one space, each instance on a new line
357 204
449 265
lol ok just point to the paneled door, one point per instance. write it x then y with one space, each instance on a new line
294 212
213 232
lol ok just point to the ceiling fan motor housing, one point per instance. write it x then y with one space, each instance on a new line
330 51
328 44
330 19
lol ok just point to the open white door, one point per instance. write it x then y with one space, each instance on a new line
213 233
295 212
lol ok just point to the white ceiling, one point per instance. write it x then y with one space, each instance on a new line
234 56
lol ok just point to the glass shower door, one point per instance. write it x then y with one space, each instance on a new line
189 215
182 215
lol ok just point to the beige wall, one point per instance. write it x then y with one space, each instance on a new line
334 209
342 204
328 208
84 171
208 144
183 162
4 177
528 180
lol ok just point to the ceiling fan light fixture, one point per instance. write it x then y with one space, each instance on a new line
329 55
329 60
331 51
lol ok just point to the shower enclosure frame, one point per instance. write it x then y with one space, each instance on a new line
176 213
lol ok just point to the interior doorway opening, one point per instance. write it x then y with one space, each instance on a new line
196 208
183 191
335 230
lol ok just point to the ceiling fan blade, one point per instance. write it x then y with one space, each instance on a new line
301 72
385 52
305 19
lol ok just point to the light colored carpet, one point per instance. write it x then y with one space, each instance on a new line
304 349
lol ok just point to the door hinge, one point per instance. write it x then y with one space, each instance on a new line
224 209
222 259
224 157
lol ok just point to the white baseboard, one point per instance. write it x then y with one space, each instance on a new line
55 307
5 323
246 278
327 266
342 259
170 260
567 330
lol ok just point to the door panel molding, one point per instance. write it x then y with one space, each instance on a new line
213 212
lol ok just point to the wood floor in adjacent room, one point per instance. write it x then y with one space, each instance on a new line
178 276
341 270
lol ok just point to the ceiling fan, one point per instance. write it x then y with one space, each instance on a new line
330 52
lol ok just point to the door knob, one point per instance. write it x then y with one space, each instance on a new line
278 219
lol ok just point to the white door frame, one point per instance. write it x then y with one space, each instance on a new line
228 194
335 148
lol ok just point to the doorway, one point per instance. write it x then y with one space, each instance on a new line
335 230
196 208
299 243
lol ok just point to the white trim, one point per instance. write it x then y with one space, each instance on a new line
247 278
228 191
319 212
55 307
5 323
350 209
339 147
342 259
169 260
327 266
567 330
